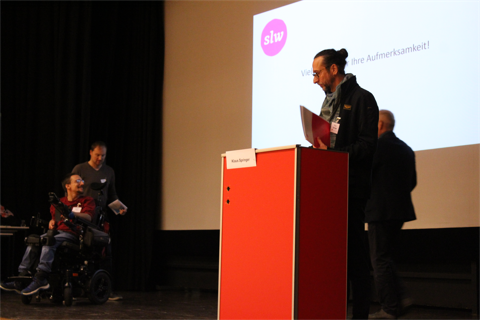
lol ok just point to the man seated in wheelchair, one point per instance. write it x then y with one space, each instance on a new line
63 230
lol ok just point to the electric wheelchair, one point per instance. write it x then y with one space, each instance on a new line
76 270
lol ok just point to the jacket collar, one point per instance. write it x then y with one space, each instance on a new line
349 84
387 134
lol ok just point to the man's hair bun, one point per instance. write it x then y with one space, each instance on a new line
343 52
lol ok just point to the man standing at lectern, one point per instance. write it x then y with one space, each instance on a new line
353 116
393 178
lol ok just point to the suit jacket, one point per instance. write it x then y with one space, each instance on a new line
393 178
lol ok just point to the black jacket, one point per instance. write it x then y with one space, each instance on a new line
357 134
393 176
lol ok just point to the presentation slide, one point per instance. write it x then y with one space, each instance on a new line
420 59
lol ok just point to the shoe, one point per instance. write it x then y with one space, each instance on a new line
381 314
36 285
16 285
114 297
11 286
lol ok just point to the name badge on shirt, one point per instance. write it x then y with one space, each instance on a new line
334 127
77 209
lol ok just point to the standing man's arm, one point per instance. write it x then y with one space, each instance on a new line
112 192
366 119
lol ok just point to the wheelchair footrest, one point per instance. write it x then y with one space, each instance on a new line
20 278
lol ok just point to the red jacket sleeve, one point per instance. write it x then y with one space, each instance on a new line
88 206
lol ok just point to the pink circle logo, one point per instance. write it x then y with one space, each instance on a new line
274 36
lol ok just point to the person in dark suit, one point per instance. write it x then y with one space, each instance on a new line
390 206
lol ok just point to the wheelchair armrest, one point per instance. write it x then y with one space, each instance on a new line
37 240
33 239
85 223
95 237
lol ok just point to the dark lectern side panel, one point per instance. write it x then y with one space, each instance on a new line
322 228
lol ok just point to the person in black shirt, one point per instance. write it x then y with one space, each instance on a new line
393 178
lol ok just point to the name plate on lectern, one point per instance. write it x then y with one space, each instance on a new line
241 159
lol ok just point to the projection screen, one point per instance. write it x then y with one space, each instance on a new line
419 59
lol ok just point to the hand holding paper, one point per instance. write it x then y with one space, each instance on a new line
118 207
315 129
321 145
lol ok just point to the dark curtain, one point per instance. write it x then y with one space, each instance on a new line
74 73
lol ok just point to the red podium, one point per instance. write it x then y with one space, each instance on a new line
283 236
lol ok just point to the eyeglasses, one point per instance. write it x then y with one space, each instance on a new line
317 74
79 181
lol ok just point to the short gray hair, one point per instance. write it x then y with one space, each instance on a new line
389 119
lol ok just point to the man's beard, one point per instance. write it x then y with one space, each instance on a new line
328 86
328 89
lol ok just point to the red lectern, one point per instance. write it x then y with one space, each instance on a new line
283 236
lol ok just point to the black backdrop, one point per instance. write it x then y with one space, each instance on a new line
74 73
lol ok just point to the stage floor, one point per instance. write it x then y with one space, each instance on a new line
166 303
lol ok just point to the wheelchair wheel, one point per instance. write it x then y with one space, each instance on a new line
99 287
67 296
26 299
